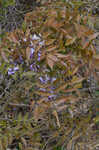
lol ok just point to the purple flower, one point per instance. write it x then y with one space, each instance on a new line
20 59
16 68
53 79
39 55
32 67
11 72
25 39
32 50
52 88
51 96
43 89
41 79
41 43
51 91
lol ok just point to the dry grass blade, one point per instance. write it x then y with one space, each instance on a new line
61 108
51 48
42 93
77 81
70 41
62 87
49 42
57 118
62 56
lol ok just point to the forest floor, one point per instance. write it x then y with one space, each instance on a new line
13 20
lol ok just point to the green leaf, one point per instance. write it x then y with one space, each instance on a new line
6 3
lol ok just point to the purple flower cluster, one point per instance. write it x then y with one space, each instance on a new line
11 71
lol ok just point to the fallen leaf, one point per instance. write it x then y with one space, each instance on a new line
51 48
91 37
52 57
70 41
75 70
50 62
4 56
13 37
28 53
49 41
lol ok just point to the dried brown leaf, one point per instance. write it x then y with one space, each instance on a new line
85 44
28 53
96 61
24 141
13 37
61 108
78 80
64 31
75 70
61 100
62 87
91 37
51 22
49 41
51 48
43 93
52 57
50 62
27 32
4 56
36 113
70 41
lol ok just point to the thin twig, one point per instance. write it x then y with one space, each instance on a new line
19 105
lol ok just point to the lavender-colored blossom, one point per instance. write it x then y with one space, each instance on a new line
11 72
31 43
53 88
31 56
32 50
43 89
51 96
39 55
10 69
25 39
21 60
16 68
51 91
38 59
47 78
53 79
14 109
32 67
42 80
41 43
